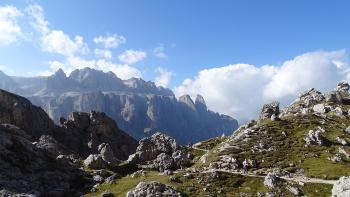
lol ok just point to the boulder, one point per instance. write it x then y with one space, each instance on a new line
106 153
271 181
153 189
160 152
315 137
341 188
95 162
321 108
269 110
343 87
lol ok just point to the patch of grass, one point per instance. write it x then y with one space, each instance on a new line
317 190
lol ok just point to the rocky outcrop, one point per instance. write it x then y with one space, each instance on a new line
341 188
19 111
343 87
152 189
315 137
269 110
270 181
95 133
140 107
25 168
160 152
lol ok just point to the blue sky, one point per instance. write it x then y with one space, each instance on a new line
196 38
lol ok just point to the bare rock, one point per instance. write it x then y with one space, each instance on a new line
153 189
343 87
95 162
271 181
341 188
268 110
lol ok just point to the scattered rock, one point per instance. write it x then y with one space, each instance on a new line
341 188
110 179
342 141
315 137
152 189
347 130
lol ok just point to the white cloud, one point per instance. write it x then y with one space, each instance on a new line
132 56
240 90
103 53
58 42
123 71
160 51
36 13
10 31
110 41
55 41
164 77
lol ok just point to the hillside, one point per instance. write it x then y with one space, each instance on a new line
302 149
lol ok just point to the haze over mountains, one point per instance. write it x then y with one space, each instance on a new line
139 107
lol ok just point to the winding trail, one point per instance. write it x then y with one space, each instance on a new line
297 179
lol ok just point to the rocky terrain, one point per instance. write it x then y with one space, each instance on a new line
300 150
40 158
140 108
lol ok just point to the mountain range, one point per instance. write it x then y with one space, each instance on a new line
140 108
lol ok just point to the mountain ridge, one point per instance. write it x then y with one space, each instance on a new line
141 108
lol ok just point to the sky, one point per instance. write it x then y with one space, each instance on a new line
237 54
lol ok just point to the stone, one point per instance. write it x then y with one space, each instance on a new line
110 179
107 153
97 178
341 188
270 181
294 190
343 87
315 137
95 162
153 189
333 97
268 110
341 141
321 108
107 194
347 130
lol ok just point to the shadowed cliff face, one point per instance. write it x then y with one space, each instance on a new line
139 107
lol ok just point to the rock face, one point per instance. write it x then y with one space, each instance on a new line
24 168
94 132
140 108
19 111
160 152
153 189
342 187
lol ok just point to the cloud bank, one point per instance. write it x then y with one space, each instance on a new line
240 90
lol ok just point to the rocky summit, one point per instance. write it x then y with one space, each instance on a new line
140 108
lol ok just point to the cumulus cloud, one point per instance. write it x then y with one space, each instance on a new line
160 51
103 53
164 77
132 56
240 90
10 31
55 41
112 41
73 50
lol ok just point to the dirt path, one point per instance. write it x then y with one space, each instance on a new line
295 179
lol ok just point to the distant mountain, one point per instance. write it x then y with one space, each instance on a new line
140 108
